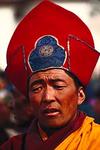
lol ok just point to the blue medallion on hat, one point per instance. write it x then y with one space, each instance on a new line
47 53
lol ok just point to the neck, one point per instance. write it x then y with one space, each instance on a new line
48 131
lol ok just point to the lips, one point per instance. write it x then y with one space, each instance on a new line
51 112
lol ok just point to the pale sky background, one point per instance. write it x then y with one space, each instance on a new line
8 25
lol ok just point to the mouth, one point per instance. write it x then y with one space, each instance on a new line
51 112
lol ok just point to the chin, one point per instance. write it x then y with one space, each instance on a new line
53 123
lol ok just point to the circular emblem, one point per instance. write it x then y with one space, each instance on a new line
46 50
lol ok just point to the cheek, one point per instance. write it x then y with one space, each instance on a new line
35 101
69 108
68 100
68 94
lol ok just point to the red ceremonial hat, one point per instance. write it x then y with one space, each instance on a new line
50 37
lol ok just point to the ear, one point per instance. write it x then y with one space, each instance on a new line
81 95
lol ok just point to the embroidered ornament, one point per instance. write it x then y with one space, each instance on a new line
47 53
46 50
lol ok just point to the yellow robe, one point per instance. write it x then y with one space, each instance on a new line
87 137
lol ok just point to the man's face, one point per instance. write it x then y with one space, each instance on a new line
54 97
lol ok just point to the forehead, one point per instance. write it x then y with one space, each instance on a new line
51 74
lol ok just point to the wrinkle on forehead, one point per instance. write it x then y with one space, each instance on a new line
49 74
52 74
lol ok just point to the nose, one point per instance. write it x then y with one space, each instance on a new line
49 95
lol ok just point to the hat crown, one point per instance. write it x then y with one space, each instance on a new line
41 41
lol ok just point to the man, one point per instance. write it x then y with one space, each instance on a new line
48 60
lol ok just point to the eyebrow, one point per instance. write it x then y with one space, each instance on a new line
40 81
56 80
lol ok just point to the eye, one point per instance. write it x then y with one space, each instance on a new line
59 87
37 89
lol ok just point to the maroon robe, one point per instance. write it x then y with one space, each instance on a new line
32 140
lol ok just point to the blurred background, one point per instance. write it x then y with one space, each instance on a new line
16 113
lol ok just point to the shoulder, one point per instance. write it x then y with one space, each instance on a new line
91 128
94 136
96 129
13 143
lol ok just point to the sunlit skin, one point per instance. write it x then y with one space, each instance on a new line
54 97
